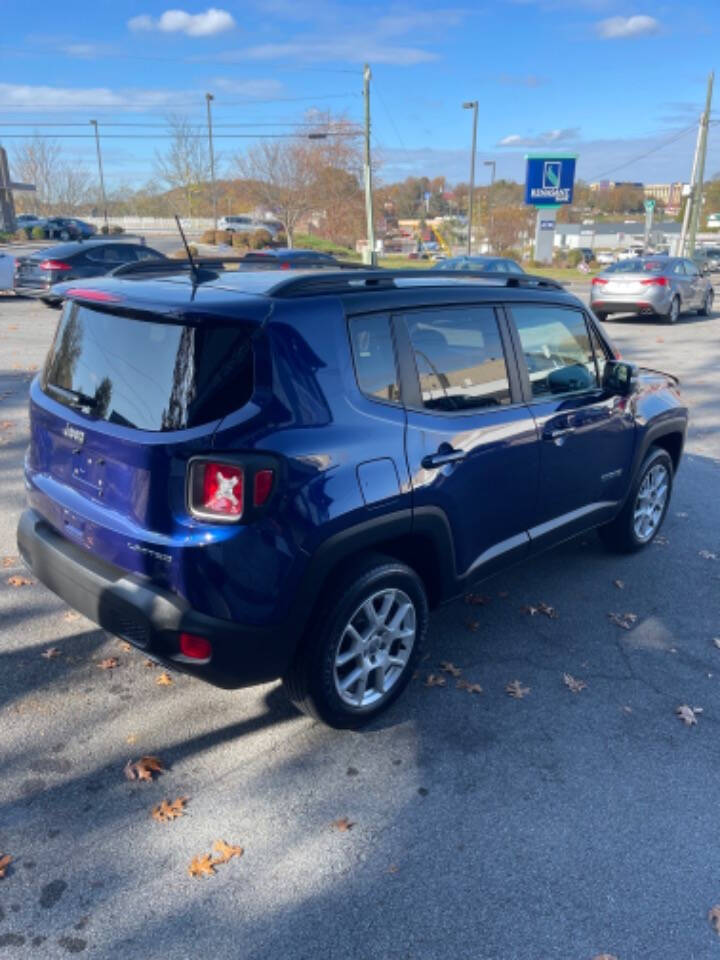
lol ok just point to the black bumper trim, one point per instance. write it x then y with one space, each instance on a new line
132 607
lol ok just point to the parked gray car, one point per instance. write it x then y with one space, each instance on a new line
656 286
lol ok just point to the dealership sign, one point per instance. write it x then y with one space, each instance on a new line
549 181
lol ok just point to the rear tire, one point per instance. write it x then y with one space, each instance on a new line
601 315
674 312
642 516
707 307
64 235
372 625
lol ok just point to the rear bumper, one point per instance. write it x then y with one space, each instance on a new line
626 306
132 607
36 290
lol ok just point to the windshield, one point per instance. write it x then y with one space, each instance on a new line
151 376
638 266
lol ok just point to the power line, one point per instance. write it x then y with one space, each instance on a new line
642 156
80 123
388 114
248 102
321 135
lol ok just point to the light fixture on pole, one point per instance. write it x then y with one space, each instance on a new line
471 105
208 99
491 164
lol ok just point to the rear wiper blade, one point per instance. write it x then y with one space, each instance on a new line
74 397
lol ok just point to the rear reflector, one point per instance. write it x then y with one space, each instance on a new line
198 648
262 486
97 296
54 265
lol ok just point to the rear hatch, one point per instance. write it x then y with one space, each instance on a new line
122 403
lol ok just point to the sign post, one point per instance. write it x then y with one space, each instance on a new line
549 182
7 205
649 211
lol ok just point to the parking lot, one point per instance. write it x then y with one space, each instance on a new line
461 825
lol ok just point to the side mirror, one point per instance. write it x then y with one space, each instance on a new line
619 377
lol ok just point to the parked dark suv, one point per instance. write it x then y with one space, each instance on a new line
254 475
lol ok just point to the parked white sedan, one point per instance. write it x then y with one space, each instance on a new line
605 257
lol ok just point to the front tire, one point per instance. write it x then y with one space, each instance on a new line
639 521
362 644
674 312
706 309
601 315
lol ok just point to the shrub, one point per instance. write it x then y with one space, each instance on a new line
114 228
4 236
181 252
37 233
105 229
208 237
280 239
511 254
260 239
574 257
241 240
223 236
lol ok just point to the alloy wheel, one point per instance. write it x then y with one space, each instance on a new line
650 502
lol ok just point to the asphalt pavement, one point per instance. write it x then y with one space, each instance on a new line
559 826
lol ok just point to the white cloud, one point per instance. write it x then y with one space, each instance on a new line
351 50
260 87
638 25
26 97
542 139
205 24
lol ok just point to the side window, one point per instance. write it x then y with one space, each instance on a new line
557 348
512 267
374 357
142 253
678 268
459 358
691 268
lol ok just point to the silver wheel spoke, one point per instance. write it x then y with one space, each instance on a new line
650 502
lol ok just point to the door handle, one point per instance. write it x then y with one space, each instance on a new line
558 432
440 458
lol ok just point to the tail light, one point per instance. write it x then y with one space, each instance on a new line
98 296
195 647
598 281
655 282
54 265
221 491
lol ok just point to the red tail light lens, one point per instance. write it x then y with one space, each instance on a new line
222 489
598 281
655 282
262 486
54 265
99 296
198 648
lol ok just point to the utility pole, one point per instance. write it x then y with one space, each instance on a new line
693 205
370 254
471 105
100 171
491 164
208 98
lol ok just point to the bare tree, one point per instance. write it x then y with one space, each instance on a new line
186 165
60 186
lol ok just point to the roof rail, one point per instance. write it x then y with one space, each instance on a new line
309 284
212 265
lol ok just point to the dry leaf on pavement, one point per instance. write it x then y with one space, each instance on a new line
9 561
125 646
71 615
18 581
166 810
661 541
131 738
164 680
573 684
109 663
435 680
517 690
688 715
619 584
716 641
201 866
624 620
473 625
463 684
5 861
144 768
477 600
529 608
226 851
707 555
605 956
714 918
448 667
50 653
549 611
343 824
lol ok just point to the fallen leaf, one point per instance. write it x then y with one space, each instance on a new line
226 851
9 561
688 715
131 738
393 868
124 645
343 824
714 918
605 956
473 625
573 684
144 768
163 680
5 424
463 684
661 541
51 653
434 680
517 690
18 581
528 608
201 866
707 555
682 515
619 584
624 620
477 600
447 667
149 663
716 641
71 615
5 861
166 811
109 663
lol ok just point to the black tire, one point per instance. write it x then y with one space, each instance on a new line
310 682
52 302
707 307
619 535
601 315
674 312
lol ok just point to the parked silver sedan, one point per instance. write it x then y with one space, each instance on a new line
657 286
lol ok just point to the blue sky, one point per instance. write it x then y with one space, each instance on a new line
608 79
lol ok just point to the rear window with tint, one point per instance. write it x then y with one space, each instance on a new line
151 376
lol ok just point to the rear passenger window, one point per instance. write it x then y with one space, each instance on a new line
557 348
459 358
374 357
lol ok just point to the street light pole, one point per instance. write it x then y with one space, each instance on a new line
208 98
100 171
471 105
491 164
370 254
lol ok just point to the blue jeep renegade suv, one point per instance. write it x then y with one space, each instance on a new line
255 475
